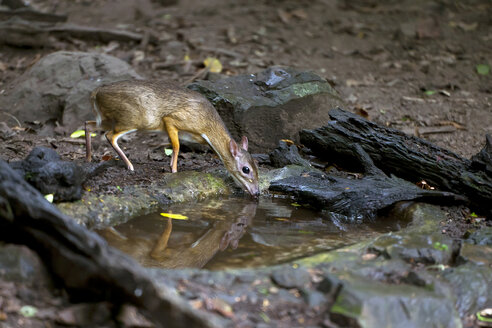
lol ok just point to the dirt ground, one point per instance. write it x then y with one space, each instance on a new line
411 65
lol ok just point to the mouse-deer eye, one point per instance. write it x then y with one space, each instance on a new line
246 170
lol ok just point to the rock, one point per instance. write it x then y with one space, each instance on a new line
99 211
57 88
44 170
471 286
271 105
369 303
5 131
481 237
20 264
266 178
85 314
314 298
477 254
289 277
285 155
415 247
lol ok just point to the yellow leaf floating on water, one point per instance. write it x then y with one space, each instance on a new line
214 65
174 216
80 133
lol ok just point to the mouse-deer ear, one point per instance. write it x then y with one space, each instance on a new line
233 148
244 143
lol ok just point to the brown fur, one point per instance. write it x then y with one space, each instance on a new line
159 105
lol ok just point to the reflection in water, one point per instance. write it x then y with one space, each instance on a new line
234 233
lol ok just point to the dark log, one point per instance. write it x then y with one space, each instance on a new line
359 199
81 260
14 4
407 157
32 15
22 33
95 34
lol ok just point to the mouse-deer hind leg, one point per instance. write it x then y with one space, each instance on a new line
113 140
90 126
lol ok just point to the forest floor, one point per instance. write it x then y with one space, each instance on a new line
411 65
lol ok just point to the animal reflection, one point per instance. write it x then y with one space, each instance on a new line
225 232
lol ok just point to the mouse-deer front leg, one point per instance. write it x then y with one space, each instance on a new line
172 132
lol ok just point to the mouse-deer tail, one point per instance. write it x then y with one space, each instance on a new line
95 108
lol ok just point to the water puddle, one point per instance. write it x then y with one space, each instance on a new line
236 233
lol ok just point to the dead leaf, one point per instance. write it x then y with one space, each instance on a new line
284 16
369 256
424 185
361 112
130 317
464 26
445 93
299 13
213 64
453 123
220 306
231 35
197 304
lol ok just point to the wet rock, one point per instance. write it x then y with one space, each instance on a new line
44 170
477 254
85 314
97 211
329 284
285 155
481 237
471 287
416 248
314 298
266 178
20 264
57 88
283 98
372 304
289 277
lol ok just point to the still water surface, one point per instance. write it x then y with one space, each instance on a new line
237 233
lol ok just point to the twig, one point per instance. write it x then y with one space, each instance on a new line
221 51
15 118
